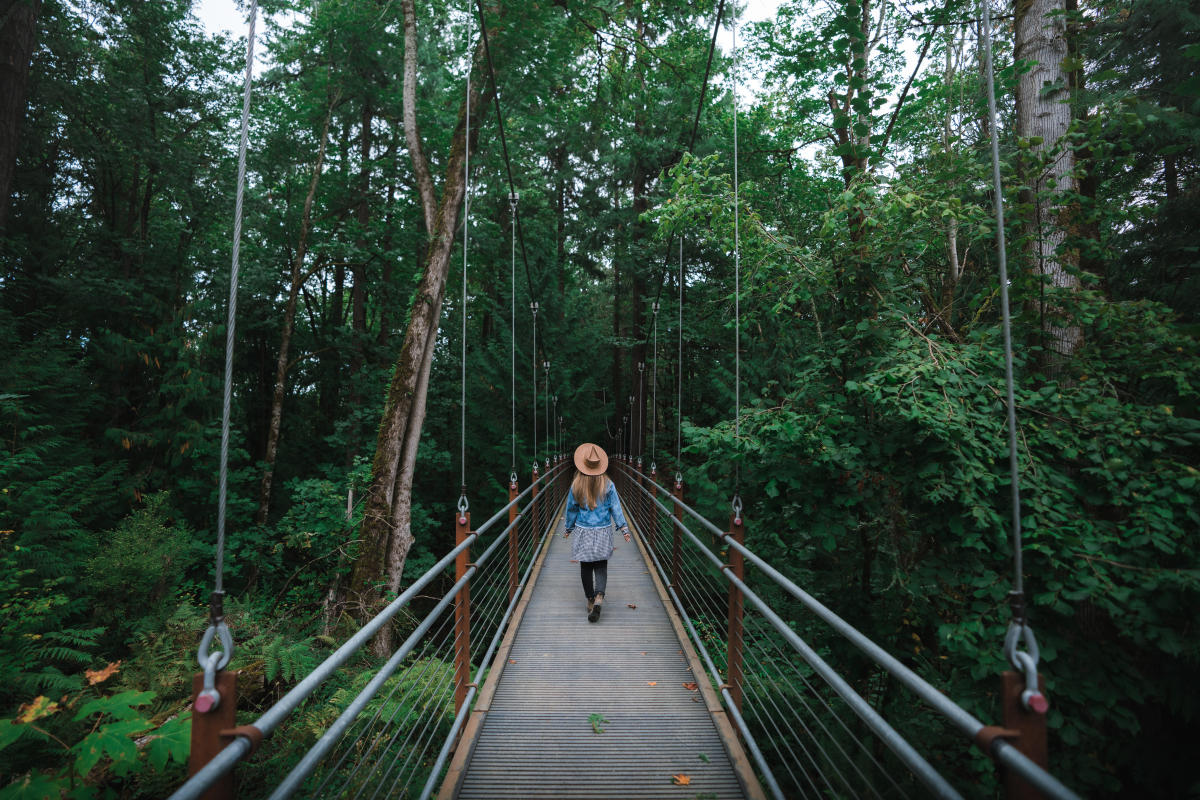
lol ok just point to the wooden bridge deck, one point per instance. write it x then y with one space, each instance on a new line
529 735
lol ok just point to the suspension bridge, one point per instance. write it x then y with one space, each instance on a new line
690 685
697 682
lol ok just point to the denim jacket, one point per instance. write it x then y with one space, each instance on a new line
607 509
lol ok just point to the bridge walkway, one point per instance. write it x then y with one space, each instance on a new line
531 733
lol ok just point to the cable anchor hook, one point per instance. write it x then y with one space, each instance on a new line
213 661
1025 662
737 509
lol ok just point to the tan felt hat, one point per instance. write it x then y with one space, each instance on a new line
590 459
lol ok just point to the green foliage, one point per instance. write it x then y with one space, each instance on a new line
38 645
108 740
136 567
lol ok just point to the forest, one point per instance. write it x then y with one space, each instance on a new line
856 401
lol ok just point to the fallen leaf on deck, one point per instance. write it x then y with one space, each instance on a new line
695 699
691 686
652 683
511 661
681 780
703 757
643 652
631 605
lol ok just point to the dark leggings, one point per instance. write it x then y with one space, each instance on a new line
593 572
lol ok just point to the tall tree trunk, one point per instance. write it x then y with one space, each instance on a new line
298 277
358 273
18 34
386 531
1043 118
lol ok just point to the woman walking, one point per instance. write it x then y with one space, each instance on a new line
592 511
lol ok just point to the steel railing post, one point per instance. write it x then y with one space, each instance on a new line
513 538
462 614
677 491
641 482
534 506
737 608
651 531
207 740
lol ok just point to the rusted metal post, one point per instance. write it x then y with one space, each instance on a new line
1031 738
641 499
513 538
462 614
737 607
535 507
206 731
676 549
651 530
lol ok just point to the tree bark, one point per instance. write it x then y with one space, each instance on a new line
18 35
386 531
298 277
1043 118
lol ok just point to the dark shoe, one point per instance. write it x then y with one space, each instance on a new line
594 612
590 604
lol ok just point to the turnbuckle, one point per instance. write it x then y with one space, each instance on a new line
1025 662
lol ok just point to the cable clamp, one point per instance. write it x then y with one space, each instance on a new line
988 734
1025 662
249 731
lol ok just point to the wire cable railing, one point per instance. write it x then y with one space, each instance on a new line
392 736
809 730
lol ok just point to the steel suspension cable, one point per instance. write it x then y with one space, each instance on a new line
679 368
534 307
654 398
1022 660
466 240
512 203
712 47
487 50
217 626
737 287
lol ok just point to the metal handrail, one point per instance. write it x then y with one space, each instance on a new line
270 719
1004 752
933 780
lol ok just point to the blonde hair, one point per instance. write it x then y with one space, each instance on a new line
588 489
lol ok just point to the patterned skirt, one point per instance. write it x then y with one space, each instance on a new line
592 544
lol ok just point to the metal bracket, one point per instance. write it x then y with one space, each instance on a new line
1025 662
